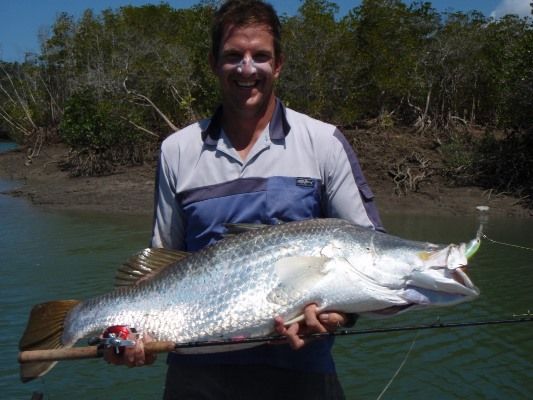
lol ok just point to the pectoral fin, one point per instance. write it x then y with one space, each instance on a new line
296 275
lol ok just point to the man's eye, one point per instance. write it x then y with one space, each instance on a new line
262 58
232 58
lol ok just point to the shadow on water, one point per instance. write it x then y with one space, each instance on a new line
49 255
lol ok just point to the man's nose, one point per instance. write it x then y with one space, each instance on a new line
247 66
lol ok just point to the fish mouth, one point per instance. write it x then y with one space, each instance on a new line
459 275
456 287
442 278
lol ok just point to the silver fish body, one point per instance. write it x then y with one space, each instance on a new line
237 286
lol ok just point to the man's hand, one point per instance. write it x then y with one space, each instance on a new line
132 356
313 323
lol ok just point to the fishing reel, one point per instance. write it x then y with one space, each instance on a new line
115 337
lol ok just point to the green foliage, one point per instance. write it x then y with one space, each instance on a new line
125 78
383 57
89 122
516 74
25 105
101 134
493 162
311 79
389 38
506 165
458 154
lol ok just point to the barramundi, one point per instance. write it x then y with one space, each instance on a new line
237 286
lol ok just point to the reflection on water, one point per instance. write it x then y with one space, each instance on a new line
46 255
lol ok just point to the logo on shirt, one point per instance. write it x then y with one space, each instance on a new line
305 182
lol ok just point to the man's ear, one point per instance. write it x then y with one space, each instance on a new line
278 66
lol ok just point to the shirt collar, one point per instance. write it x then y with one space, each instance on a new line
279 126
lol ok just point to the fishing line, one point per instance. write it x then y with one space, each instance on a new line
483 219
346 332
505 244
400 367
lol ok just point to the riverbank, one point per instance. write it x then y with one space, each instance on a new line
130 189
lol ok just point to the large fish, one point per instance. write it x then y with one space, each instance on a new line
237 286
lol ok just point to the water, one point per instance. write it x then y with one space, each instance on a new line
487 362
6 145
53 255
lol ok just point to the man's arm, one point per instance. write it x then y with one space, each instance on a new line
347 193
168 226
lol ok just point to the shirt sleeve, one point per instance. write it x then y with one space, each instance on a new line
168 226
348 195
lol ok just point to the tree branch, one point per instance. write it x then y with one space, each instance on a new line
147 100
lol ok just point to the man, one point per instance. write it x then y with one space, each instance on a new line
254 161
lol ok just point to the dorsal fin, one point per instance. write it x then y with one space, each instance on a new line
238 228
235 229
146 263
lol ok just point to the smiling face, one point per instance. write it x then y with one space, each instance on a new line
247 69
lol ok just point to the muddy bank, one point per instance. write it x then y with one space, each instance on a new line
130 189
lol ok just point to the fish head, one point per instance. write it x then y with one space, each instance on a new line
441 278
411 275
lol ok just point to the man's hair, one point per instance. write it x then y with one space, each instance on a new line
242 13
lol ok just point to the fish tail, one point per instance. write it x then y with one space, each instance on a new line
43 332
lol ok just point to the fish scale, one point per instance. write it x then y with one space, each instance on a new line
222 290
237 286
212 296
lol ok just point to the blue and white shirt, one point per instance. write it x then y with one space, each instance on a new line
299 168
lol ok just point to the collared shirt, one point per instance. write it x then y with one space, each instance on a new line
299 168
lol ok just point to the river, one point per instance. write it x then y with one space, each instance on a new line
58 255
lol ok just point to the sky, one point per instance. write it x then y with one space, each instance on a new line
21 21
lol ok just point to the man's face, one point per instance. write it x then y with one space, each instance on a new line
247 68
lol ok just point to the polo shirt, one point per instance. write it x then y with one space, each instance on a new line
299 168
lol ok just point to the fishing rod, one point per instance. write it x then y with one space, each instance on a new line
95 351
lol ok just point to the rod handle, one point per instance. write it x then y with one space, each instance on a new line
79 353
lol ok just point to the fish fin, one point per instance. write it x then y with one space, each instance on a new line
296 275
43 332
237 229
146 263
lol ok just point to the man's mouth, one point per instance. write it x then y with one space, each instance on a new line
246 84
